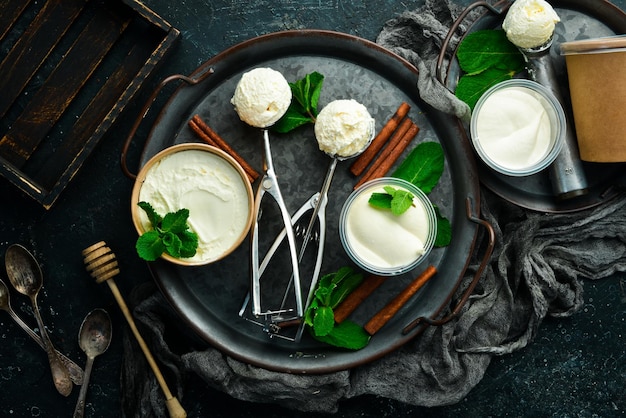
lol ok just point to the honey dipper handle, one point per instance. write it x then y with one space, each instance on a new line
173 406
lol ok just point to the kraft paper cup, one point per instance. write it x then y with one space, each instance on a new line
597 82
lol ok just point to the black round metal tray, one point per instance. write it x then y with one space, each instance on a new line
208 298
580 19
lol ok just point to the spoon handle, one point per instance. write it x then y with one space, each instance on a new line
76 372
60 374
79 411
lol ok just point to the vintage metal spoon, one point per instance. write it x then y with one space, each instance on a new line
76 372
26 277
94 339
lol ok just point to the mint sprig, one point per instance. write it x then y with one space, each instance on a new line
396 200
423 167
170 235
304 102
331 290
486 57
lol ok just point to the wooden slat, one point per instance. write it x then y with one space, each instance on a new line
100 108
51 100
33 47
10 10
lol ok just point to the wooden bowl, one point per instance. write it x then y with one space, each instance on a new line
208 182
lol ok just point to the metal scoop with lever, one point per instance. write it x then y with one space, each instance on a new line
367 125
276 321
261 98
353 117
269 185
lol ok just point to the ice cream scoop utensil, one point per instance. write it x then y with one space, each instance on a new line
26 277
321 203
319 211
102 265
308 206
530 26
567 175
76 372
269 185
94 338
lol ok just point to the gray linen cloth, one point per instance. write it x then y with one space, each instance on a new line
535 272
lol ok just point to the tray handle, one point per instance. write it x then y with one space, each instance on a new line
497 8
477 275
189 80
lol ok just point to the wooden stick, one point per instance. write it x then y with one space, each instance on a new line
173 406
385 314
358 295
386 153
102 265
360 164
207 134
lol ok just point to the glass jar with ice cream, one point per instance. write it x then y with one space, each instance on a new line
383 242
518 127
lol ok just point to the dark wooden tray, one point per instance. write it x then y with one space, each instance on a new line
68 68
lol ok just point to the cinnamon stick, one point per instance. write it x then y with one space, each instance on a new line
405 133
385 314
198 131
360 164
386 164
358 295
207 134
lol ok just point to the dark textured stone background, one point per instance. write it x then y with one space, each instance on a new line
569 370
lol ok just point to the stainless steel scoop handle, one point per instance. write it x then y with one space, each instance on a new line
306 207
567 174
269 185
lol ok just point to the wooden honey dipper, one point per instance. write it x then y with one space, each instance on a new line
102 265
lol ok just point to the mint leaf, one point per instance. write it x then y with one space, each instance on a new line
291 120
342 274
323 321
310 312
471 87
486 49
344 288
346 335
486 57
153 217
323 294
170 234
188 244
380 200
172 244
401 202
444 230
423 166
331 290
150 246
176 222
326 280
306 92
396 200
304 102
